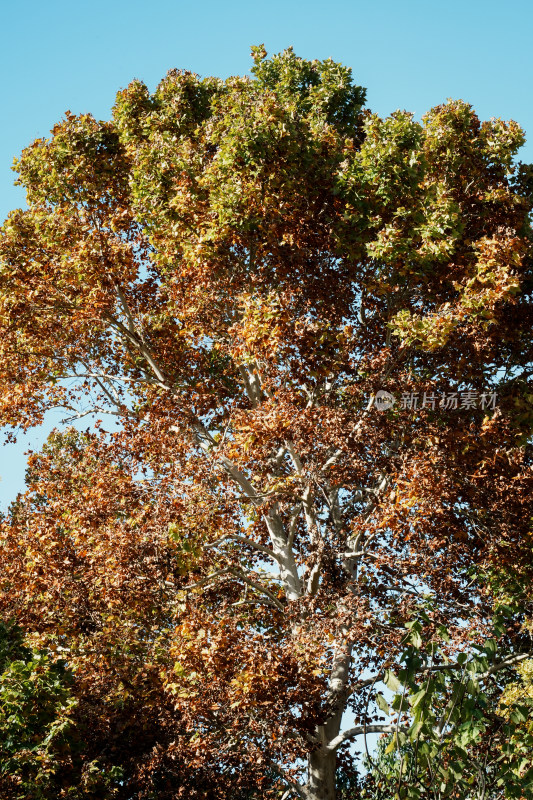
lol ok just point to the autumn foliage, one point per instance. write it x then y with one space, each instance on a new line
253 566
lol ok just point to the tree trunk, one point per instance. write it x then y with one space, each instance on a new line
321 783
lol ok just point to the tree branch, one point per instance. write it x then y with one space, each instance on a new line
231 537
357 731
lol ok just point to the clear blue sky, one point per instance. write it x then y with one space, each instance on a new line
59 55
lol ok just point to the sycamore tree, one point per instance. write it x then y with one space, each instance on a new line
312 327
91 573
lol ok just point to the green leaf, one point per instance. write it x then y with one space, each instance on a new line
382 704
417 698
391 681
414 730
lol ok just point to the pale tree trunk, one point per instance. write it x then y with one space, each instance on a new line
322 762
321 782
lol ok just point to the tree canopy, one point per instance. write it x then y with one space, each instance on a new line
311 520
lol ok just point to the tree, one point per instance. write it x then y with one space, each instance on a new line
89 569
234 270
35 718
485 753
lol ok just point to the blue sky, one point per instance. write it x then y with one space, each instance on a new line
75 55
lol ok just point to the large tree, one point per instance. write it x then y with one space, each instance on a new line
234 269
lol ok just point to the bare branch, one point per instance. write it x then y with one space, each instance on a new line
295 786
258 587
141 346
451 667
253 392
507 662
236 573
231 537
207 579
359 730
125 307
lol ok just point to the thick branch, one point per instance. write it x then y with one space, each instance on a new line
236 573
359 730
